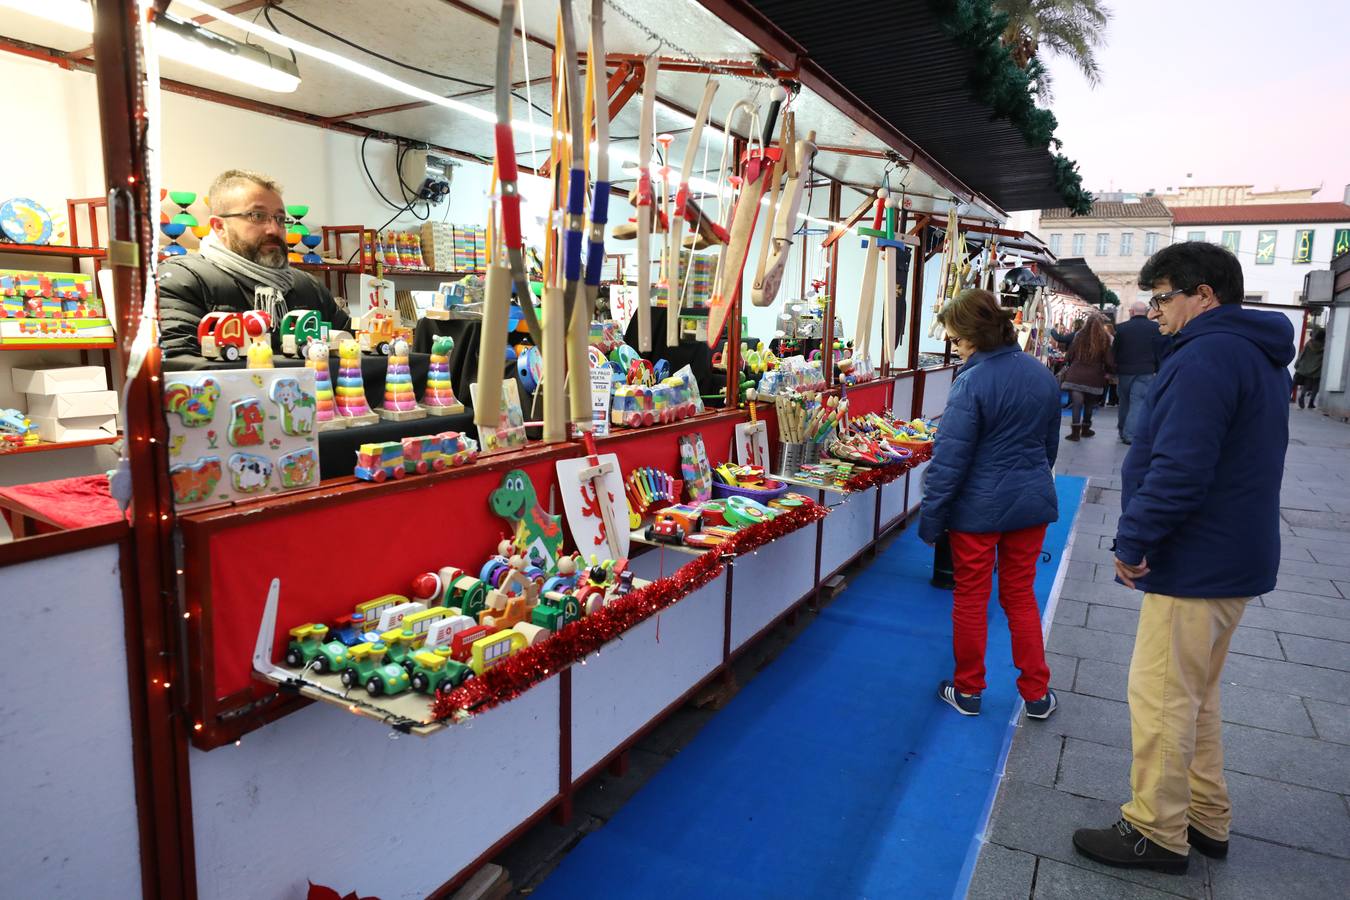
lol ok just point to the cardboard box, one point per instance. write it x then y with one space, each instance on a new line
63 380
70 406
82 428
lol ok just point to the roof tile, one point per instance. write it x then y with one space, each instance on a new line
1261 214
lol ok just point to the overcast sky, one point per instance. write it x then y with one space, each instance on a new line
1233 92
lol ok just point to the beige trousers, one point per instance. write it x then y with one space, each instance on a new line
1177 774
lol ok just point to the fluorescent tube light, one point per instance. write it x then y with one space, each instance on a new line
77 14
187 43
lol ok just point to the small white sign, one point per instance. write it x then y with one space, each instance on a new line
602 378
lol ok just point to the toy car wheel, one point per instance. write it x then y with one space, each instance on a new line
422 468
399 473
419 683
294 658
320 664
230 352
384 348
348 678
379 476
375 685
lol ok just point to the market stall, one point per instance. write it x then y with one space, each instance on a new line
494 509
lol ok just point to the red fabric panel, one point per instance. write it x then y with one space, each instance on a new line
69 502
330 558
873 396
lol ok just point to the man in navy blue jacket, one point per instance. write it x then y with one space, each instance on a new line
1199 534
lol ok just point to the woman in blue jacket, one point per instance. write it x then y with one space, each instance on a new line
990 487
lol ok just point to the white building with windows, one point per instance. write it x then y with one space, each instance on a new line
1278 244
1114 240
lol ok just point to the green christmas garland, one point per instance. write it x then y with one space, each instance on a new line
999 83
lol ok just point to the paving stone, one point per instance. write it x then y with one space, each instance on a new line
1042 820
1113 618
1289 551
1337 608
1289 814
1305 681
1325 535
1105 594
1085 551
1332 720
1316 651
1259 870
1034 755
1102 679
1287 757
1098 528
1084 642
1071 612
1090 718
1062 670
1301 500
1303 584
1060 881
1084 570
1289 622
1272 710
1093 770
1314 569
1256 642
1001 874
1094 514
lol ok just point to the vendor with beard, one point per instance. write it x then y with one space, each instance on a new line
242 265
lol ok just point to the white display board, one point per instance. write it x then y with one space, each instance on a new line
936 386
893 500
847 528
769 580
70 826
240 433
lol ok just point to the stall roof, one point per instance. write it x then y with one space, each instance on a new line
1076 275
896 58
456 37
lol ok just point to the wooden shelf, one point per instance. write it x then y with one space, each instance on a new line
354 269
60 445
54 250
62 345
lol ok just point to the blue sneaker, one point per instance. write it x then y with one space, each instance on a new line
1042 708
965 704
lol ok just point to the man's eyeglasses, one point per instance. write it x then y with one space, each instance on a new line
256 217
1156 302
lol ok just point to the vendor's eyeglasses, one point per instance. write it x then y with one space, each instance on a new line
1156 302
257 217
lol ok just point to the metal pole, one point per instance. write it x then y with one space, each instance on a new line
916 302
831 286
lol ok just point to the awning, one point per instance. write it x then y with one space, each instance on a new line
1076 276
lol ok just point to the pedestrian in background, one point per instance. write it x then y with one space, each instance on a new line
1138 353
1086 366
989 486
1308 368
1199 533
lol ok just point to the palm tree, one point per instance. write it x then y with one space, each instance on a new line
1069 28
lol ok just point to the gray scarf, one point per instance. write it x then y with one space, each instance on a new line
270 285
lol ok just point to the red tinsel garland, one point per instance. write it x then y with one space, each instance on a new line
512 677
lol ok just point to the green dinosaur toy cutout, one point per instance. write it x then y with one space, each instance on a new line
538 535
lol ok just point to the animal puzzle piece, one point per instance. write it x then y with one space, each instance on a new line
297 407
250 473
299 468
538 535
194 482
246 422
194 404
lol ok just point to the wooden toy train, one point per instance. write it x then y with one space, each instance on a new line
379 462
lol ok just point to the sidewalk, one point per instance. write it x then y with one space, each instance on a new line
1287 683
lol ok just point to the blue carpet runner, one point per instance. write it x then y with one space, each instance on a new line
836 772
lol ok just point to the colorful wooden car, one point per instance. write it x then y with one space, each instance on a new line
226 335
381 461
310 643
487 652
366 666
436 670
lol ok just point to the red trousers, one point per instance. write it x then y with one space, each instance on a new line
973 564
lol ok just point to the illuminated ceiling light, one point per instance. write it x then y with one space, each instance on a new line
248 63
76 14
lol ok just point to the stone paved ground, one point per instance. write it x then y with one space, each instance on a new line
1285 695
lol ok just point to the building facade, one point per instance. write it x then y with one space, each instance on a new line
1115 239
1231 195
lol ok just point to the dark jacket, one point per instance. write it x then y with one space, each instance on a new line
190 287
1309 363
1138 346
996 443
1088 373
1200 486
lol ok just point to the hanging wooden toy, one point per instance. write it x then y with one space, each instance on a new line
798 165
682 214
646 206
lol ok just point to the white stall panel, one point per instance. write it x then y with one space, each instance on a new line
770 580
848 528
69 828
937 385
916 485
902 400
893 500
631 680
336 799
